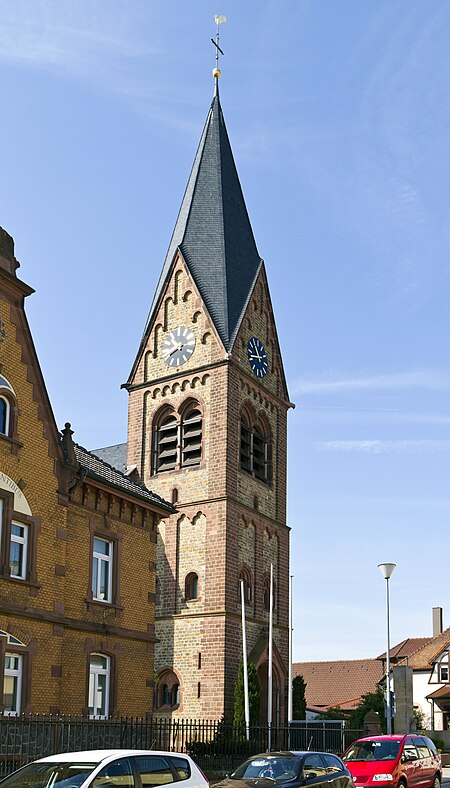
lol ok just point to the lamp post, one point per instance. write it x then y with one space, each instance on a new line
386 570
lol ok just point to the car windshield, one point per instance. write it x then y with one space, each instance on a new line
48 774
372 751
278 769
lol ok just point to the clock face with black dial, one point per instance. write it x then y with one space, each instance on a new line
257 357
178 346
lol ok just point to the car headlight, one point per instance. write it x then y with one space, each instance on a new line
382 778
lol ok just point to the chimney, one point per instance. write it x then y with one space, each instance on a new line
437 621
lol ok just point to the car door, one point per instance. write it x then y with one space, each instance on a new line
314 771
336 771
410 763
116 774
426 765
154 770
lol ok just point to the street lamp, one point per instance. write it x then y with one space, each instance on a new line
386 570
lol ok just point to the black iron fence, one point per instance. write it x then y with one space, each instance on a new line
216 746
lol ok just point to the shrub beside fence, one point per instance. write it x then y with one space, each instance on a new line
216 746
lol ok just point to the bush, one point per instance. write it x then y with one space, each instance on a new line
438 743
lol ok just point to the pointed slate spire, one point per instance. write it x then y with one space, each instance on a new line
213 232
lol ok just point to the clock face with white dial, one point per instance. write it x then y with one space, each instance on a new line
257 357
178 346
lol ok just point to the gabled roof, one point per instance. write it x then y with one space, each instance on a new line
338 683
96 469
214 234
405 648
424 657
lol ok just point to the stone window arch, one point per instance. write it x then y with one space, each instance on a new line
246 576
167 693
256 446
177 437
191 587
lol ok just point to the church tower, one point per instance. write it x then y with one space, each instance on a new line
207 425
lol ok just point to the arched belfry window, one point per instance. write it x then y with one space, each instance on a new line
256 448
177 438
191 437
166 443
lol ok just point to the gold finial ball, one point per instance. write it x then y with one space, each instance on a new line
216 73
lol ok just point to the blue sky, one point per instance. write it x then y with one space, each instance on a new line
338 113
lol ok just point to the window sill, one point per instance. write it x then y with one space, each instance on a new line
14 443
21 580
98 603
182 469
268 485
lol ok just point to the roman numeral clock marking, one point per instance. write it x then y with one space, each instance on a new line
257 357
178 346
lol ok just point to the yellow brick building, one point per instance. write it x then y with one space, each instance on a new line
77 549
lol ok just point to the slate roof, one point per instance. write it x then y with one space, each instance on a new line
338 683
214 234
103 472
113 455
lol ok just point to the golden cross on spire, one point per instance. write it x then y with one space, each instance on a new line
216 71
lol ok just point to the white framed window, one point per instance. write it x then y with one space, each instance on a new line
18 551
4 415
443 672
12 684
102 565
99 678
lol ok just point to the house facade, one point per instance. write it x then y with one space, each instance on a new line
77 549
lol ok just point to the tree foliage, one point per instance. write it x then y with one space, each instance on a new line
253 695
298 698
371 701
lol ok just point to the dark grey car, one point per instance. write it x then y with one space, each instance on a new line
290 769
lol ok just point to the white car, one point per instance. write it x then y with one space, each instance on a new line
108 769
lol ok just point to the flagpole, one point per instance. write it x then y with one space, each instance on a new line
269 667
290 653
244 662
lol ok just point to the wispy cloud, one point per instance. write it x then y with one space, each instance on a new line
419 379
425 446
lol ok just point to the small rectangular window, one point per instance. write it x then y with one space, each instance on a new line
443 673
102 564
18 551
12 684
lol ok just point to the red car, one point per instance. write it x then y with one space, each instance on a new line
409 761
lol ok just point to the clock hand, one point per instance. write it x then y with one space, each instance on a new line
177 347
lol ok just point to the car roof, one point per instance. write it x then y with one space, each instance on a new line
286 754
97 756
388 737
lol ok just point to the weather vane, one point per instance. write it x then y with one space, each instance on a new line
216 71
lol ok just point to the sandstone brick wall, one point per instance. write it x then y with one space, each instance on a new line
227 518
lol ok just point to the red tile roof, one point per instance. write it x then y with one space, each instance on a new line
338 683
406 647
